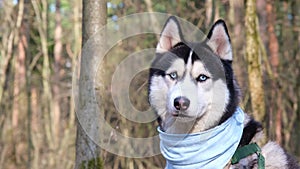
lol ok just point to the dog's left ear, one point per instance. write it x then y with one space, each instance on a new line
219 41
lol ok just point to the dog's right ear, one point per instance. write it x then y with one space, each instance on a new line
170 36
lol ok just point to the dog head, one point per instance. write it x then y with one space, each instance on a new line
191 84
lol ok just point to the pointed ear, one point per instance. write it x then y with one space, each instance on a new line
170 36
219 40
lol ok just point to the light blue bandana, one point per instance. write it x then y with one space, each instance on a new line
209 149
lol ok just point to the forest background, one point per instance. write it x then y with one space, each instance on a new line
40 44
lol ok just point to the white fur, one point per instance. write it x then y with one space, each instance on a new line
274 156
177 66
189 63
217 97
158 95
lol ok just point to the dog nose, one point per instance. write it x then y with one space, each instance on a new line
181 103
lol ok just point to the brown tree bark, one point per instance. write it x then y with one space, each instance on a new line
291 139
21 104
254 63
8 55
274 60
235 17
19 76
94 17
26 25
273 42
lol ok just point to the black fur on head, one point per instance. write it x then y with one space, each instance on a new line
234 89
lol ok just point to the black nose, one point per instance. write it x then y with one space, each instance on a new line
181 103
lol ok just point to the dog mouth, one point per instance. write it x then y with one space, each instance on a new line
179 114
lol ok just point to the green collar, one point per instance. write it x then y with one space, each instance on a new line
247 150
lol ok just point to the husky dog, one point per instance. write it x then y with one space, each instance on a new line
193 90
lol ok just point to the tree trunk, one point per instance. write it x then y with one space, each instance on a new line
209 12
7 46
254 62
76 51
25 30
57 71
295 5
19 79
87 151
235 17
274 57
41 11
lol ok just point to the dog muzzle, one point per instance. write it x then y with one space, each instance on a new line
211 149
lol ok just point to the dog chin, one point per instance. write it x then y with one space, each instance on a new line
179 125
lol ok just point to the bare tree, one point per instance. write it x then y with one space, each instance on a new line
41 12
274 58
57 71
87 151
254 61
19 77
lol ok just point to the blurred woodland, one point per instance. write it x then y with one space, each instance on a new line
40 42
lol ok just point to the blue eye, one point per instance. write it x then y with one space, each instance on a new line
202 78
173 75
